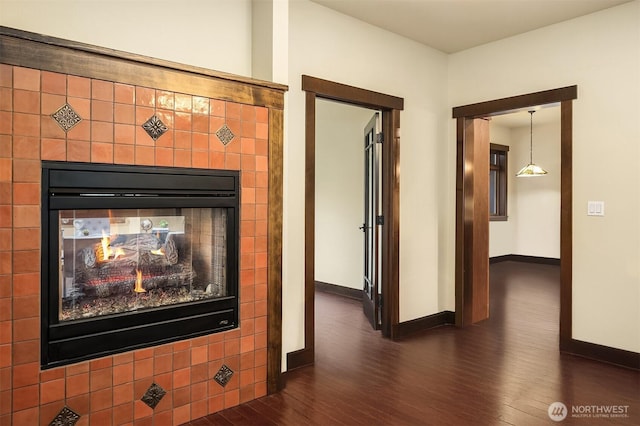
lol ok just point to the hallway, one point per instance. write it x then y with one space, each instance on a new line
506 370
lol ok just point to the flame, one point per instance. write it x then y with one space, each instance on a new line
159 252
138 288
118 252
106 250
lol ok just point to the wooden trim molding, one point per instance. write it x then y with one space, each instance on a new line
566 220
390 107
525 259
31 50
417 325
338 290
601 353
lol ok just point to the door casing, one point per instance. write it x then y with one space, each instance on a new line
470 280
390 106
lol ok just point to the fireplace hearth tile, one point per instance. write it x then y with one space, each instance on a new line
153 395
154 127
66 117
225 135
223 375
66 417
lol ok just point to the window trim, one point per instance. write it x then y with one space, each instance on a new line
501 190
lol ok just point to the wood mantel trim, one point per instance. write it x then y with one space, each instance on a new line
31 50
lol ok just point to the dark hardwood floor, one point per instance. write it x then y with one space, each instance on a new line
503 371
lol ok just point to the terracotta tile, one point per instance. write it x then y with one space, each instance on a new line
79 87
231 398
5 265
233 110
6 146
124 113
122 373
141 410
78 150
26 101
261 357
6 75
260 389
26 216
25 397
181 377
181 359
5 288
143 368
26 193
167 117
181 345
81 404
262 212
216 351
5 405
5 239
183 121
262 179
182 140
198 391
6 171
232 161
200 160
101 400
122 358
124 93
143 138
199 373
101 110
123 154
260 292
6 122
182 414
102 90
145 96
100 379
26 261
51 375
181 396
261 274
216 403
79 368
5 356
123 393
183 102
54 83
182 158
231 334
26 147
248 179
216 160
163 364
51 103
26 124
53 149
6 99
248 212
163 349
49 411
262 147
26 417
262 131
246 393
81 131
26 351
5 332
247 293
51 391
200 141
199 408
247 146
104 417
247 311
81 106
164 100
124 134
262 163
262 115
248 129
200 105
122 414
215 123
101 132
77 384
247 162
247 360
26 307
231 347
26 329
101 152
248 113
5 186
26 78
143 354
49 128
164 156
145 155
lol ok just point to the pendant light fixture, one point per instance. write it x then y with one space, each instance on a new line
531 170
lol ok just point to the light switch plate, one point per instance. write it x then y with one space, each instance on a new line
595 208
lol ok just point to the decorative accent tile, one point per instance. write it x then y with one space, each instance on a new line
66 117
223 375
154 127
66 417
225 134
153 395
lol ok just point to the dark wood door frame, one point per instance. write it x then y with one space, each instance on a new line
470 223
390 107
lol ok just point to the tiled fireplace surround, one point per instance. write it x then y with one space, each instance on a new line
108 390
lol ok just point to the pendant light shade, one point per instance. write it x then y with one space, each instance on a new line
531 169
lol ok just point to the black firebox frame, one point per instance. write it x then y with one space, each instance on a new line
71 186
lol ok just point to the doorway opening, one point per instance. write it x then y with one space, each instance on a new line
472 189
390 107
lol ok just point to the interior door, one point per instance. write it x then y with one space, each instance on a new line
371 294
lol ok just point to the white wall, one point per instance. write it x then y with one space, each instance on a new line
601 54
340 193
328 45
533 204
214 34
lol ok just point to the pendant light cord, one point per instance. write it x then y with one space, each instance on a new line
531 138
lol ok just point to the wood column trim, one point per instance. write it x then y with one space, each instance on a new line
566 220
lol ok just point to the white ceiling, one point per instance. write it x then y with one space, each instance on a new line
454 25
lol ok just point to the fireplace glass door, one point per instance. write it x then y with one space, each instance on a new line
117 261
